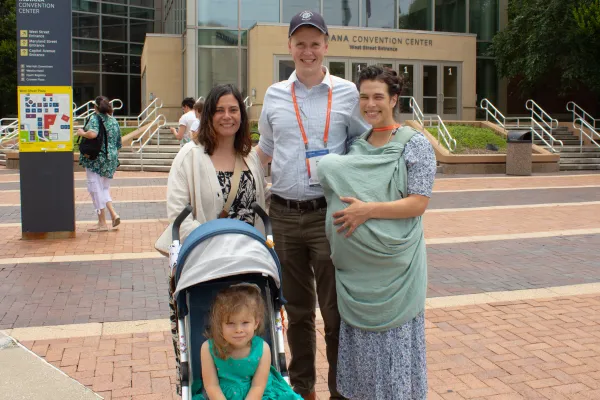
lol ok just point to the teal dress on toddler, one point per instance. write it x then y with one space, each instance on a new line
235 376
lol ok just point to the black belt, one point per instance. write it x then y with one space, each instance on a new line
306 205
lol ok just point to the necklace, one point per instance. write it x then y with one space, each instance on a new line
387 128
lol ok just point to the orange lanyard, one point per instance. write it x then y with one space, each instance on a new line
386 128
299 118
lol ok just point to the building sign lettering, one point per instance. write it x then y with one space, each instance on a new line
379 43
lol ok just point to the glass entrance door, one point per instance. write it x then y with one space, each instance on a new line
407 72
450 91
430 81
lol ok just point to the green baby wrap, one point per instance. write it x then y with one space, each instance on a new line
381 270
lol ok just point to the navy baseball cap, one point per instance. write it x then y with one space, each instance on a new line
308 17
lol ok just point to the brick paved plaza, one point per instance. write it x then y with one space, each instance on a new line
513 309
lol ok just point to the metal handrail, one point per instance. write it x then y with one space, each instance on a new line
583 123
486 105
534 130
154 127
9 132
527 123
417 113
116 104
248 103
154 104
443 132
543 116
580 113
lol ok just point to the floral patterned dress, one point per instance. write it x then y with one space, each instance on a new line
107 162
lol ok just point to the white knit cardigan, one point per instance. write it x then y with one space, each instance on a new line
193 179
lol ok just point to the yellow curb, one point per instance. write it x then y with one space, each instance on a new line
514 188
57 332
515 295
512 236
510 207
90 202
86 257
129 327
164 325
487 177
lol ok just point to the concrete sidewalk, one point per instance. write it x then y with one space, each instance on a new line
24 375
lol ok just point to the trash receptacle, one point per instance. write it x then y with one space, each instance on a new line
518 153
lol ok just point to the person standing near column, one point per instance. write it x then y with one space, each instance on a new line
311 114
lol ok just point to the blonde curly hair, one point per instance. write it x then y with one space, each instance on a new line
231 301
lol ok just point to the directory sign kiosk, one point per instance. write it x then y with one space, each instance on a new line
45 118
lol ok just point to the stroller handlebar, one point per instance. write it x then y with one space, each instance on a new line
265 218
177 224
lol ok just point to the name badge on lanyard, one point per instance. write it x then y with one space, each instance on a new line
313 157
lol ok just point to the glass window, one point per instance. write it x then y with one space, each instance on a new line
218 37
138 29
483 18
85 87
86 61
135 92
114 63
114 9
141 13
293 7
450 16
114 47
483 48
379 13
87 45
286 67
216 66
85 26
135 65
115 87
244 88
341 12
486 80
259 10
84 5
415 15
218 13
114 28
136 49
143 3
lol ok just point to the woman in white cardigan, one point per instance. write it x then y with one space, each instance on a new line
202 172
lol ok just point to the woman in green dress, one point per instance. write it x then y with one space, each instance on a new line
99 172
236 364
376 196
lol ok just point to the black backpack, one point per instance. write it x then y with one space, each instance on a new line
91 148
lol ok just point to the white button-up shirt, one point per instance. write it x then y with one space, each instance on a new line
280 135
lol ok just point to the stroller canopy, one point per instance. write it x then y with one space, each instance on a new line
222 248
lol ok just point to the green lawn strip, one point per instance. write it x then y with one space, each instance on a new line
472 139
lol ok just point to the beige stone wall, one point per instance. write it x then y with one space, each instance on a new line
162 63
266 41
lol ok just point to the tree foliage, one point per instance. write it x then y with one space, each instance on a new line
8 59
549 38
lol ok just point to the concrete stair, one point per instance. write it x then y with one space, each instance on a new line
2 159
572 158
157 155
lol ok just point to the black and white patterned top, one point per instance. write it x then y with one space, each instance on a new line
246 195
421 165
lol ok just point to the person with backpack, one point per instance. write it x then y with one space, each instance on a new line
99 156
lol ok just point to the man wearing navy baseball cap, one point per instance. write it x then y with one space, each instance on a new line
303 118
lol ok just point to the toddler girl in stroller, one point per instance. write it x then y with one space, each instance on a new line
236 364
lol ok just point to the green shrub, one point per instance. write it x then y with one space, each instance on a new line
255 137
470 138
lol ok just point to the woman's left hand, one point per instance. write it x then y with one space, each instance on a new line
80 132
353 216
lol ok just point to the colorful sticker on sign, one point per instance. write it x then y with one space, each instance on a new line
53 125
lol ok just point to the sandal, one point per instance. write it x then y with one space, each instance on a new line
98 229
116 221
